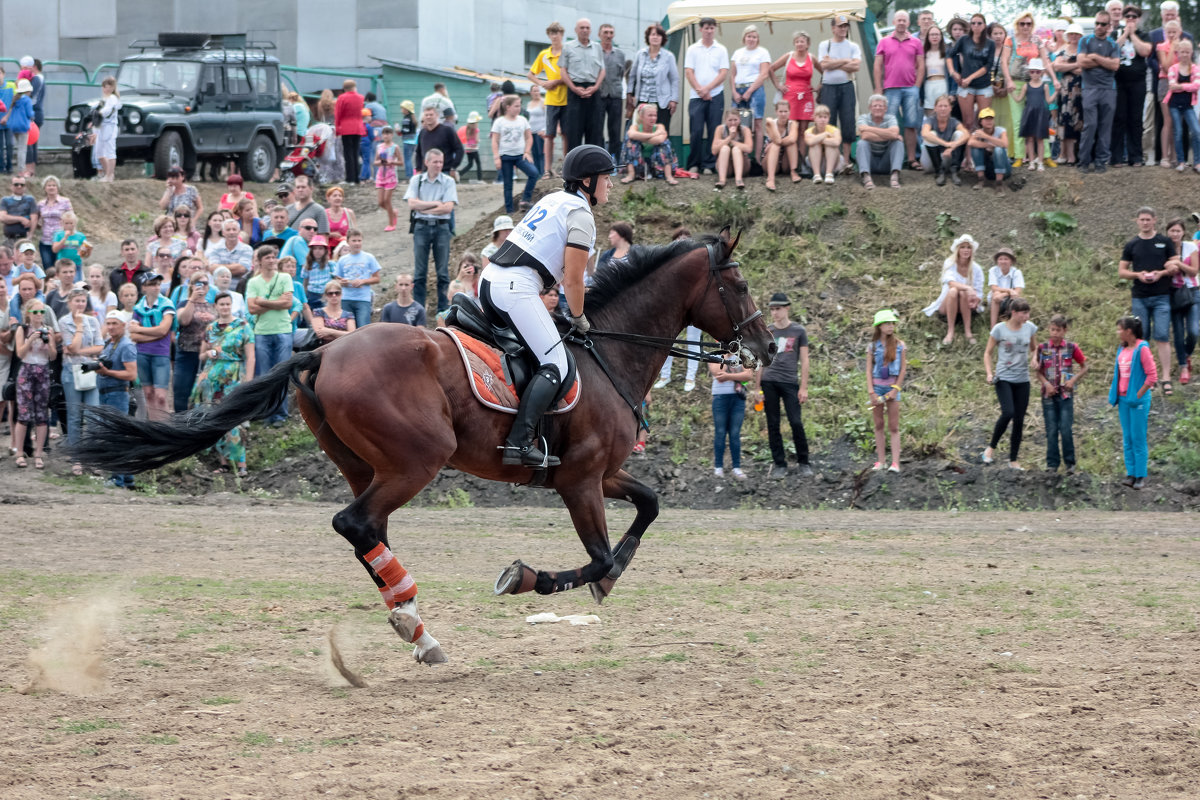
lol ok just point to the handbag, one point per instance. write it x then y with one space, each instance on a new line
1182 298
84 381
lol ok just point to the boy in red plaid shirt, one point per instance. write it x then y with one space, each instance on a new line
1057 360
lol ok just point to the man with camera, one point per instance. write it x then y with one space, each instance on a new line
116 370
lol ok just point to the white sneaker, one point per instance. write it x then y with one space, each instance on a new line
689 384
661 382
737 473
718 472
829 177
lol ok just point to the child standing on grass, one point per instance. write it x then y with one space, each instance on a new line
887 363
729 411
1056 361
387 158
1035 120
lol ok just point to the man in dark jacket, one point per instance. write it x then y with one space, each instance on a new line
436 136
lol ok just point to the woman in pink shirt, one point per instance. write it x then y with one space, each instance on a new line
1134 375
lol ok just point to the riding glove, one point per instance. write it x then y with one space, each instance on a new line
580 325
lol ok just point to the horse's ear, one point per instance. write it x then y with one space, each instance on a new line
724 234
734 244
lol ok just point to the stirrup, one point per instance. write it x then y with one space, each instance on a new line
530 455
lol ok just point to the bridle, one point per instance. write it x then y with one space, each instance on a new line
677 347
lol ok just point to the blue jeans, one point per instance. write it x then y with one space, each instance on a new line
728 412
1186 325
271 349
904 101
119 401
1179 118
76 400
365 148
539 154
756 103
48 256
361 309
1155 314
430 237
187 365
1135 420
410 155
1059 414
6 150
507 165
703 113
1000 165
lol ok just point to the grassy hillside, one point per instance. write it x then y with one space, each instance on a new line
842 253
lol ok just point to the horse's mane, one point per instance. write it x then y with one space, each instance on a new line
641 260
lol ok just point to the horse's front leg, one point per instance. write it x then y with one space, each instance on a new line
623 486
586 506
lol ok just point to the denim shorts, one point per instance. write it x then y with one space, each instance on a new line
881 390
154 371
986 91
757 102
1155 314
906 100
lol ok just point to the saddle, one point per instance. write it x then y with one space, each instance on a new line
498 364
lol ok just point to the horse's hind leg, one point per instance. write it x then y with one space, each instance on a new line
623 486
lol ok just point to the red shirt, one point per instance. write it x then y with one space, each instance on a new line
347 115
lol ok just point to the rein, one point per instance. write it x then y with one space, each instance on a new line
732 346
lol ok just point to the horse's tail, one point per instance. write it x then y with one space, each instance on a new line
117 442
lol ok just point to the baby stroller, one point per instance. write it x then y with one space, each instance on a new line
303 160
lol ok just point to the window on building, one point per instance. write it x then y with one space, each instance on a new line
531 51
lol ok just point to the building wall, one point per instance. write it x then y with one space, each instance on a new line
480 34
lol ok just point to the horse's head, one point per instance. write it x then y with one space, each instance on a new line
725 310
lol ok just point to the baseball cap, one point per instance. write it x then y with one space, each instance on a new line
26 62
503 223
26 247
985 112
115 314
886 315
150 277
778 300
282 189
841 19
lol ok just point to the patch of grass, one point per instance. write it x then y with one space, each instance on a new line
86 725
580 666
256 739
678 657
220 701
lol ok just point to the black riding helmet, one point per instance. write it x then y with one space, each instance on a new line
584 162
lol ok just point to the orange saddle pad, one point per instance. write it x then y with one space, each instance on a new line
482 363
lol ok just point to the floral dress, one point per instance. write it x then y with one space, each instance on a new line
1070 103
223 374
657 159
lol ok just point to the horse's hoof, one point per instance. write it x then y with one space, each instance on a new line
516 578
601 588
404 620
428 651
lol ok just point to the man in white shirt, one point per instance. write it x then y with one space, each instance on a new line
840 60
582 69
705 66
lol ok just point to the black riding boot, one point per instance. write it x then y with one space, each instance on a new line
520 447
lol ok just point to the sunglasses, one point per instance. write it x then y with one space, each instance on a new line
333 294
178 216
308 227
1133 16
15 183
1024 24
39 311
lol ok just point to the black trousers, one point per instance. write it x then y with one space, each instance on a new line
351 142
773 392
583 122
1014 402
1127 123
939 164
614 116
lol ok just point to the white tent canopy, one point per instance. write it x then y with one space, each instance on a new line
688 12
814 17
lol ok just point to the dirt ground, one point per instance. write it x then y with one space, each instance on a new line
169 647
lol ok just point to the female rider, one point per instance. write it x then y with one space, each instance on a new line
551 244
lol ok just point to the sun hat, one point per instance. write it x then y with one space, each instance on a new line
1060 25
408 105
1075 27
473 117
1004 251
986 112
886 315
24 86
503 223
318 240
1036 63
966 238
779 300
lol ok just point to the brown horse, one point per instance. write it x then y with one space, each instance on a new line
391 405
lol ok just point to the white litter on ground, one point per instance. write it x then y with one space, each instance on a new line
574 619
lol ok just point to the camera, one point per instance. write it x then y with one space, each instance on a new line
45 336
93 366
